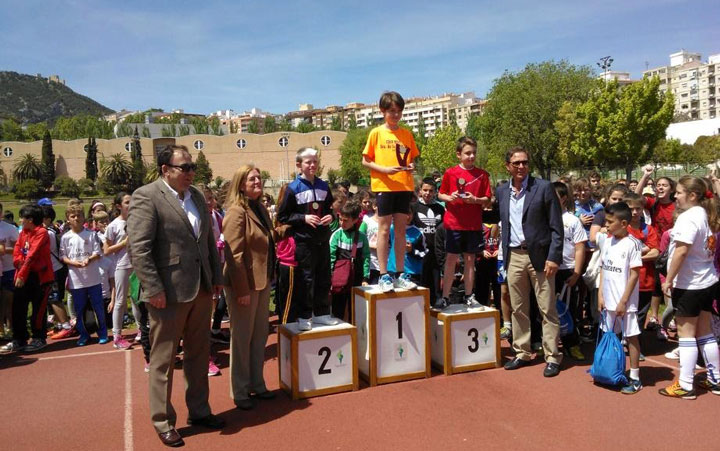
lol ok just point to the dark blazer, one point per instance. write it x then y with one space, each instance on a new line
542 222
165 254
246 249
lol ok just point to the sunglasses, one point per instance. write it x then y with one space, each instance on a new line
517 164
186 167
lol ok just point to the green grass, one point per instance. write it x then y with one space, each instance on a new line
14 205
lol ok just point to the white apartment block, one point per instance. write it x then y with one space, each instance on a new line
435 111
692 82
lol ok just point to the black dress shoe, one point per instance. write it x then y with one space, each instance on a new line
211 421
171 438
244 404
267 394
516 363
551 370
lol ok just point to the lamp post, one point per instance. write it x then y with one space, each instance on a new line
604 64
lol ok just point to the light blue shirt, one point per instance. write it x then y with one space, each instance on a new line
517 202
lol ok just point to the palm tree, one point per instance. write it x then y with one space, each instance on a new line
117 171
28 167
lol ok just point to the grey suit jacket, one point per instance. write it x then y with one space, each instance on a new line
164 252
542 222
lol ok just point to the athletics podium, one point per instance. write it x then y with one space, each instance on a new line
393 332
317 362
465 339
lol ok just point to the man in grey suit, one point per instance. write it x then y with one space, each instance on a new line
173 253
532 241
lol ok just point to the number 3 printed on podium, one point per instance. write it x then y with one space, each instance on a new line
473 334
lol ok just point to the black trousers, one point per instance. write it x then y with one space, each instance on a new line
287 294
313 278
431 276
144 326
219 312
31 293
486 281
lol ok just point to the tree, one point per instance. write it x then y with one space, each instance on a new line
284 125
138 171
28 189
522 108
183 130
200 125
351 149
352 122
336 123
11 131
305 127
270 126
91 163
439 152
36 132
123 130
420 138
215 126
253 126
618 126
146 132
87 187
28 167
203 173
67 186
48 162
265 176
233 127
116 173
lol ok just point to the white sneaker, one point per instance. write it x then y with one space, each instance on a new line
386 283
304 324
404 283
326 320
673 355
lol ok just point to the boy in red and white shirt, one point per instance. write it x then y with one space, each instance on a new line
465 189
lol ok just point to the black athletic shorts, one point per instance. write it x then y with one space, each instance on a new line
391 202
689 303
464 241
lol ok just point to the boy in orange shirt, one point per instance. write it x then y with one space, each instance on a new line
389 154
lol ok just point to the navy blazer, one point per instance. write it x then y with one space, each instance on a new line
542 222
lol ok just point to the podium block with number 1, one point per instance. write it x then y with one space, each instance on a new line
317 362
393 334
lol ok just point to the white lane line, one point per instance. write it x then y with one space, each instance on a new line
658 362
128 404
80 355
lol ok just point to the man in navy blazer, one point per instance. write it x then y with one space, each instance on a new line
532 242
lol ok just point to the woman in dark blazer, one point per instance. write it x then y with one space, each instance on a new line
249 263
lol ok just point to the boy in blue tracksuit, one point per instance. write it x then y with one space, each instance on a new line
307 207
415 249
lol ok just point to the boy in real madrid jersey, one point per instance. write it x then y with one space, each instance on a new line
618 296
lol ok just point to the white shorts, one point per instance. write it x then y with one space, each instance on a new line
629 321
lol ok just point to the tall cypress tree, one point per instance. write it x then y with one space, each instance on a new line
48 162
91 167
139 171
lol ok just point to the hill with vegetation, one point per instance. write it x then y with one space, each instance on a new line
29 99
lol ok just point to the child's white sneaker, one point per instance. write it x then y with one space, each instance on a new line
326 320
404 282
304 324
386 283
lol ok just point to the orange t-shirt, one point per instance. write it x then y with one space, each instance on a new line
383 146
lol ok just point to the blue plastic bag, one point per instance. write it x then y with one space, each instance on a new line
608 366
566 321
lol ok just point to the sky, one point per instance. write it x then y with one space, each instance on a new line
276 54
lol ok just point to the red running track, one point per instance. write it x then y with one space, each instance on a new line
93 398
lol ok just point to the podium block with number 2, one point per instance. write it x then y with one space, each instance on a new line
465 340
317 362
393 334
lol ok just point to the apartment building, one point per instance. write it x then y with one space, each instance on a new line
692 82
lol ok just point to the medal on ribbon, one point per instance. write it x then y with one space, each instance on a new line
315 209
402 153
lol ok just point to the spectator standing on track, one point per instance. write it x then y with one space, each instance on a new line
116 245
173 252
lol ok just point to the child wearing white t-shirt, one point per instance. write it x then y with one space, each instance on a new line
80 250
570 270
693 280
619 293
116 242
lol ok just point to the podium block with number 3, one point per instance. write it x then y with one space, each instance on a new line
393 334
317 362
465 340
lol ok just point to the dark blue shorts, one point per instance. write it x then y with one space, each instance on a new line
464 241
8 280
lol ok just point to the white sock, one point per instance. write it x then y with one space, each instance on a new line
688 359
66 325
507 324
709 348
635 373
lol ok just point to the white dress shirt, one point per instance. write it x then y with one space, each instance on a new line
189 207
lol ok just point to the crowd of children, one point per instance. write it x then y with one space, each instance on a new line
628 247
